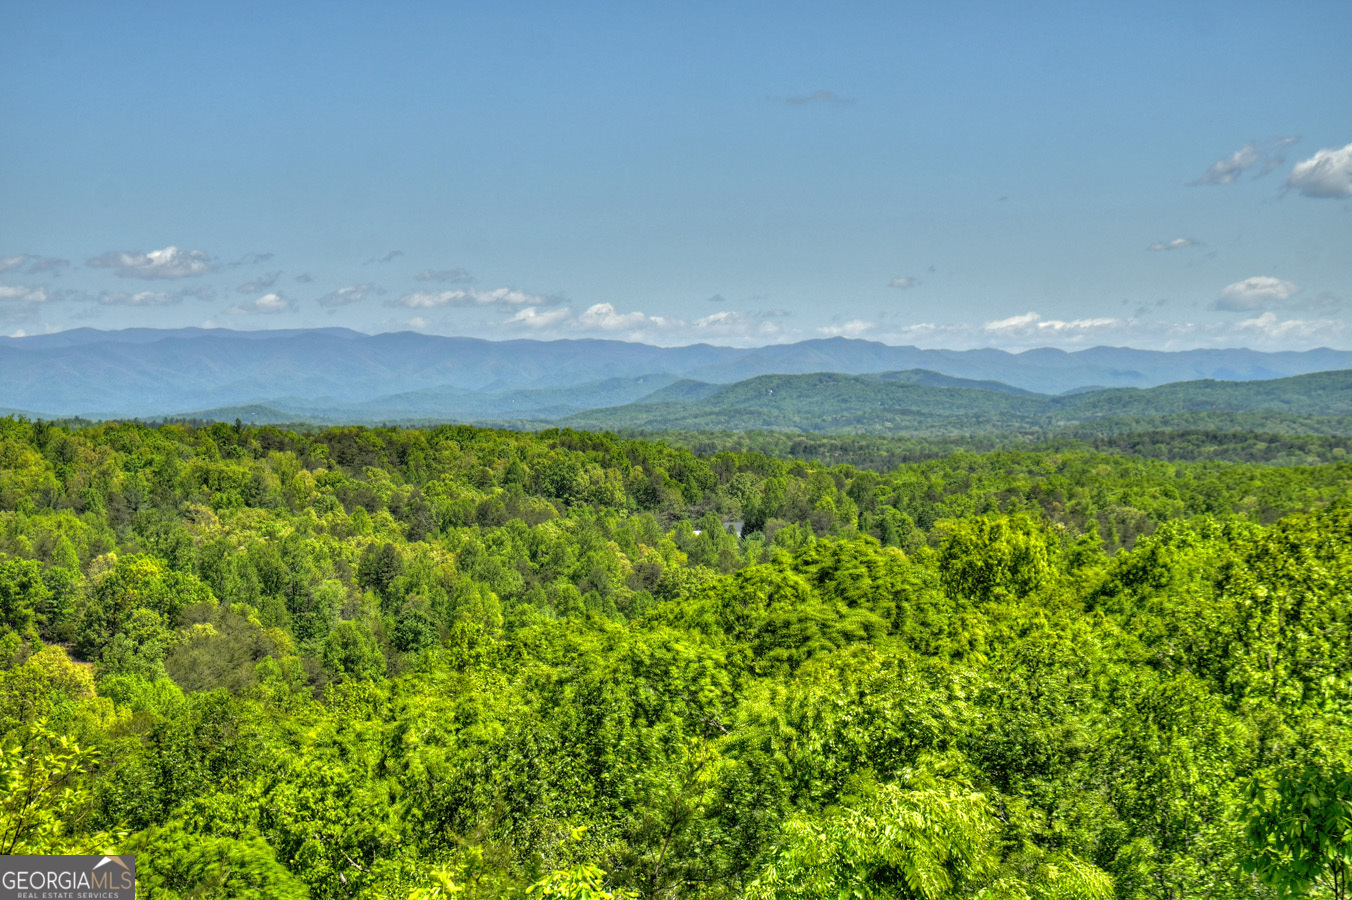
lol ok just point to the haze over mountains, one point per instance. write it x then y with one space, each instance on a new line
332 375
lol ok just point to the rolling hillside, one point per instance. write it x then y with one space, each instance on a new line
892 403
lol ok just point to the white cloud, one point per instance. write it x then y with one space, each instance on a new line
1269 326
718 319
641 326
15 293
259 284
418 322
1263 155
352 294
1031 324
454 276
736 326
1327 174
853 328
603 317
1013 322
1176 244
1254 293
266 304
170 262
464 297
14 262
1030 330
532 317
904 282
148 298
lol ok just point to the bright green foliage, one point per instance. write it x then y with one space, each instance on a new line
452 662
1293 591
582 882
349 652
174 864
995 558
930 840
41 789
1299 826
22 594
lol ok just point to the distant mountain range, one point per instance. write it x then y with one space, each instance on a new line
336 375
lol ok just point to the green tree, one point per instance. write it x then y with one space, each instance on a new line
22 594
176 864
351 652
992 558
1299 825
41 788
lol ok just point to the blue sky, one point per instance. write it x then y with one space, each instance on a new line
1162 175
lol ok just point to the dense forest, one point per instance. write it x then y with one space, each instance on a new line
459 662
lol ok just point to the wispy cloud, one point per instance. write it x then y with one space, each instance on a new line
1176 244
1269 326
45 264
467 297
140 298
1326 175
387 258
1324 301
636 325
1254 293
1264 156
452 276
348 295
852 328
18 293
1030 324
252 259
169 263
825 98
37 265
267 304
259 284
904 282
532 317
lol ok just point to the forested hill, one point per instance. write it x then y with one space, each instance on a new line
337 375
925 403
454 662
